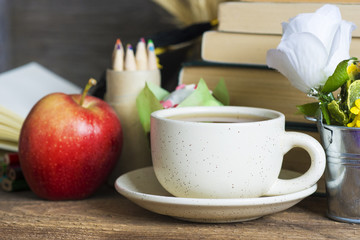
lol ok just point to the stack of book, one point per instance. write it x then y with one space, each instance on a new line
248 29
11 177
236 52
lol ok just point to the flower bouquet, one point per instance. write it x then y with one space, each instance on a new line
314 55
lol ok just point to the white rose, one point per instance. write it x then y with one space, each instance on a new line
311 47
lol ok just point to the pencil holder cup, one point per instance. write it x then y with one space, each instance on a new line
122 89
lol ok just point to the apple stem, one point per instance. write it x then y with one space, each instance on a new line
90 83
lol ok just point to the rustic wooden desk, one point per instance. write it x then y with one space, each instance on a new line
108 215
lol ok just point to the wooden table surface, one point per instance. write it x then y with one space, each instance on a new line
108 215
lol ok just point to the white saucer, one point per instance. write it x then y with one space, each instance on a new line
141 187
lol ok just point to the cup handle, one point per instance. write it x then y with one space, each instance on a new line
312 175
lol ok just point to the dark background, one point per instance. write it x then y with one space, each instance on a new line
75 38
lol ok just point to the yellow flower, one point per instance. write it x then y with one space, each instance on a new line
355 110
353 70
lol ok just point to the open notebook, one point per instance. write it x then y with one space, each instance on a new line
20 89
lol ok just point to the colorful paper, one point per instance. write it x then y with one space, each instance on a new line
149 99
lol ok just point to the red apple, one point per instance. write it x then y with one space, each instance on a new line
68 145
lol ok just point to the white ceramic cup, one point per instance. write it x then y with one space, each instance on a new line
227 160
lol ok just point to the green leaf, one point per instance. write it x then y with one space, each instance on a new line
309 109
338 78
325 113
336 113
200 97
146 103
221 92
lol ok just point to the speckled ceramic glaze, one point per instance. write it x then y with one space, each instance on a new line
228 160
142 187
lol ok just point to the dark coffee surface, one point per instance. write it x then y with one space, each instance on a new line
219 118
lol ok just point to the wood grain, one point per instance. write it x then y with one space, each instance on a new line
108 215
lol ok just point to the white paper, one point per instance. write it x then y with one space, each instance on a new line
22 87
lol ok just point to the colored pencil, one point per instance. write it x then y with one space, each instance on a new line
11 186
130 63
118 56
3 168
14 173
141 55
11 158
152 62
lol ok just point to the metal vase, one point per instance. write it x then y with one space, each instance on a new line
342 174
